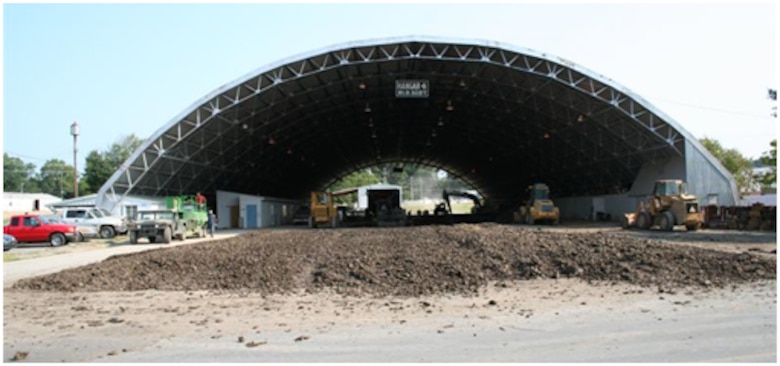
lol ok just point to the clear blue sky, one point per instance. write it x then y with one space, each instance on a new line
122 69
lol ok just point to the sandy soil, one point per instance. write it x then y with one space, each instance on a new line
495 325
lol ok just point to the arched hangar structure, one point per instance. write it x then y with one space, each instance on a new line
498 116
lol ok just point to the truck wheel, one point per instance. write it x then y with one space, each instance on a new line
57 239
167 235
693 227
624 223
666 222
643 220
133 237
312 224
107 232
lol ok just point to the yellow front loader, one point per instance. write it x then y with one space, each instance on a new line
539 208
322 210
670 206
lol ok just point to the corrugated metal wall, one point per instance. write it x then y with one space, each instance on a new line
670 169
707 181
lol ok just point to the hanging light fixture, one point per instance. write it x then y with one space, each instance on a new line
368 108
450 108
362 86
441 122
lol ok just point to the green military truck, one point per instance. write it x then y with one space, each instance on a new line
183 217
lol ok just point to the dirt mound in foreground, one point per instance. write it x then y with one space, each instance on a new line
407 262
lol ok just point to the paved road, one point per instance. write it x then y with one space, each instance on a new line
16 270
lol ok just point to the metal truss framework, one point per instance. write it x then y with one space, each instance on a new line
498 117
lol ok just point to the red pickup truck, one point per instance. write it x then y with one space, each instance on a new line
35 228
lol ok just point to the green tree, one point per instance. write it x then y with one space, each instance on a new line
56 178
122 149
739 166
84 187
98 169
356 179
769 158
101 165
18 176
401 175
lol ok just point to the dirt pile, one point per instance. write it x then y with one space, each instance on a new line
408 262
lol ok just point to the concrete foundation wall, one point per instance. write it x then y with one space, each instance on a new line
585 208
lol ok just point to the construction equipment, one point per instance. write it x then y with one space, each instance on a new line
539 208
192 212
670 205
322 210
384 209
478 206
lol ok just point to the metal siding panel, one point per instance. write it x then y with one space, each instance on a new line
673 168
704 178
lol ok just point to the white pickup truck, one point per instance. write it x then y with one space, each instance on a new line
107 225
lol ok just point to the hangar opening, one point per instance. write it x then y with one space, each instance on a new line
498 116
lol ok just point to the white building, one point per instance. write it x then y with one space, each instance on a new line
240 210
362 193
19 202
126 208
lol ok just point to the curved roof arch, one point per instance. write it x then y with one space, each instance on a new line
497 116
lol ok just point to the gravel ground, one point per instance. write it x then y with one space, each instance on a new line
413 261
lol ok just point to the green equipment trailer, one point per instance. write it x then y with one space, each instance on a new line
192 213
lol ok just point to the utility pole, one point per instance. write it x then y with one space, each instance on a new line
74 131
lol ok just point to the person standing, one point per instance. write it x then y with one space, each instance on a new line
200 200
212 222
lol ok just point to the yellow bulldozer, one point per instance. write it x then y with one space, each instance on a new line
670 206
539 207
323 210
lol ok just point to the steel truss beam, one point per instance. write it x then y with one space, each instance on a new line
308 118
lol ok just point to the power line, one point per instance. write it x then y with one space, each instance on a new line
25 156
